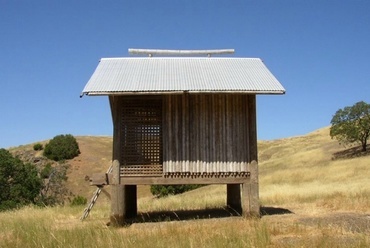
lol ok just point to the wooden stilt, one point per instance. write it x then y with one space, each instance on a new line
123 199
250 193
117 216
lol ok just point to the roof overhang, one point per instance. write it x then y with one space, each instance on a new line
101 93
178 75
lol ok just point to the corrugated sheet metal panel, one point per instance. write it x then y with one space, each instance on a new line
171 75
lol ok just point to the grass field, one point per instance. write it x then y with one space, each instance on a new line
314 193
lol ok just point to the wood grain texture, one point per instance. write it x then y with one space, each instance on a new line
207 133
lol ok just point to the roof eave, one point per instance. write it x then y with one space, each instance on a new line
109 93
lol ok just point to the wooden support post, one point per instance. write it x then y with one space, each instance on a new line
233 197
250 193
250 189
123 199
117 217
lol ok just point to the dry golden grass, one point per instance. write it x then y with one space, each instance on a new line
302 170
325 201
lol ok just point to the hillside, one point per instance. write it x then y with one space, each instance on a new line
298 160
314 193
291 165
312 168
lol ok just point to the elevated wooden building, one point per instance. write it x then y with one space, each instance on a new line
183 120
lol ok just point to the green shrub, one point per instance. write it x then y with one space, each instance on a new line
165 190
78 201
46 171
62 147
38 147
19 182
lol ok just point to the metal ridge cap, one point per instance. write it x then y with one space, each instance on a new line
181 58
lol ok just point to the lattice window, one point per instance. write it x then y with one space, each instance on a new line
142 131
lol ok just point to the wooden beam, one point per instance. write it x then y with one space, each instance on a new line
99 179
174 181
152 52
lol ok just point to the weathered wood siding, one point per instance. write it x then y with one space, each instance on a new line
208 133
185 134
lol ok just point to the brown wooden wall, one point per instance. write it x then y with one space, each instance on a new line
208 133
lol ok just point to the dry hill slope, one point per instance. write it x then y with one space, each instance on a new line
325 190
95 157
310 168
299 168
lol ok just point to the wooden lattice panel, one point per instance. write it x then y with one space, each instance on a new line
141 134
141 170
207 175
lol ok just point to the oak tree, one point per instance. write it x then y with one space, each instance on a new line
352 124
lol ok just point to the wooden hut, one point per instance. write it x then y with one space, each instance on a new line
182 120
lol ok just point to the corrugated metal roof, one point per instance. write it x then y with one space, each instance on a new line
180 74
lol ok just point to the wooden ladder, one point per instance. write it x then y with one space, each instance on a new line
94 198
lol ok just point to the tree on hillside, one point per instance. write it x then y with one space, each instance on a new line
54 190
19 182
352 124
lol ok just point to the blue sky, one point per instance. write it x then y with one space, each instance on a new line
318 50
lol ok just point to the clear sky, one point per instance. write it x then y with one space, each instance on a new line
319 51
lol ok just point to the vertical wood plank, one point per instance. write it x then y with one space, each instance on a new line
202 141
252 119
250 201
165 134
183 144
229 146
169 133
223 129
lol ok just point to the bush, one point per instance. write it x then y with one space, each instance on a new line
46 171
78 201
19 182
165 190
62 147
38 147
